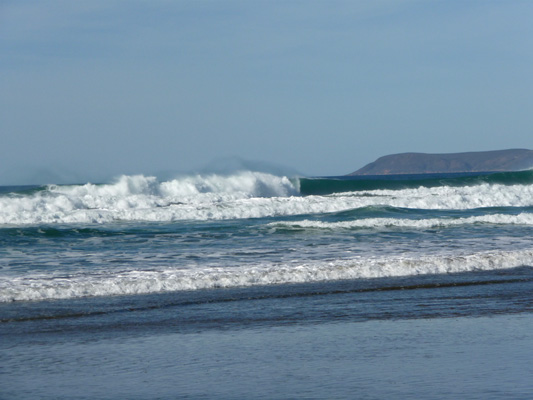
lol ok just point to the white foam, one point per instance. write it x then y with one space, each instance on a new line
41 287
141 198
243 195
498 219
458 198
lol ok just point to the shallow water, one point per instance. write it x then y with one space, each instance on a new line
448 336
469 358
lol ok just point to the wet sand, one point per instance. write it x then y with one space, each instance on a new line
443 358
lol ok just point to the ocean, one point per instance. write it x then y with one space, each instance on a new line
252 285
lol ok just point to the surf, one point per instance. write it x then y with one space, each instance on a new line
247 195
135 282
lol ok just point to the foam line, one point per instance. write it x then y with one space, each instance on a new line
497 219
42 287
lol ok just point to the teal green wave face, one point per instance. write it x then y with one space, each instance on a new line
330 185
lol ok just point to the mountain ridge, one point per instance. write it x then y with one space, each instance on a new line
431 163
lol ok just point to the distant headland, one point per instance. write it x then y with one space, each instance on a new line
423 163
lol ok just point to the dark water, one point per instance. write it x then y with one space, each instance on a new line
256 286
329 185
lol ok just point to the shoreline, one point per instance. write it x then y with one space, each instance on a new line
445 358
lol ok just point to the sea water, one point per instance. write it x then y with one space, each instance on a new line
252 285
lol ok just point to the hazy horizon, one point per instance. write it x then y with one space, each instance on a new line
95 90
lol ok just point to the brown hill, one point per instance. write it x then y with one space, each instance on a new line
422 163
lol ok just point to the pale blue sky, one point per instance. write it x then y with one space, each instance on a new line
94 89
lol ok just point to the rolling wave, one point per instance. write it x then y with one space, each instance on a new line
330 185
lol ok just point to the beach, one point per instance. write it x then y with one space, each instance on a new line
469 358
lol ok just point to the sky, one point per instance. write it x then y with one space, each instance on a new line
90 90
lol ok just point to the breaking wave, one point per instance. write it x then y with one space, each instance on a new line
239 196
141 198
143 282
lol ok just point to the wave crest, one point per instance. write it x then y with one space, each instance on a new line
139 198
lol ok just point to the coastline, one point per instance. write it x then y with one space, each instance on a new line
447 358
495 161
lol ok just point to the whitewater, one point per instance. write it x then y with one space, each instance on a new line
149 288
241 196
138 235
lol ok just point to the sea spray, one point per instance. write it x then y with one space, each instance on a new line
140 198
